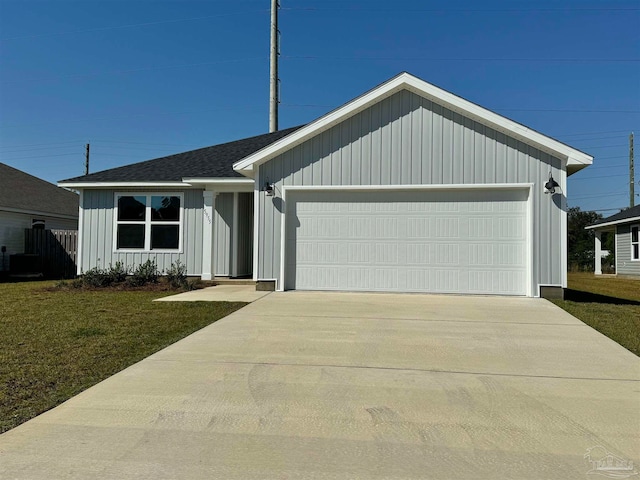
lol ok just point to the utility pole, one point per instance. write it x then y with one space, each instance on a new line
86 160
274 97
632 179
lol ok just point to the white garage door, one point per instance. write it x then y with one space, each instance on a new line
454 241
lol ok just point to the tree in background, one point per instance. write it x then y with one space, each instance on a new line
580 243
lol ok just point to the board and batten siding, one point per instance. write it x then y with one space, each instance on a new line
406 139
98 250
624 264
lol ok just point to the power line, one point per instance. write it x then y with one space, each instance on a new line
460 10
600 195
136 70
599 176
132 25
467 59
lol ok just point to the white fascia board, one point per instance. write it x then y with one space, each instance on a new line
616 222
38 212
218 181
124 184
223 185
454 186
425 89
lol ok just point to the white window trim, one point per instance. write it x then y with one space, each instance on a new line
632 243
147 222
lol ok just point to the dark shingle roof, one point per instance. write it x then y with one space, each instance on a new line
209 162
21 191
621 216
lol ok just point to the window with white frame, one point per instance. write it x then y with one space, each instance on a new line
148 221
635 242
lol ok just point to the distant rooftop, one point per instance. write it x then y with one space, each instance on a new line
21 191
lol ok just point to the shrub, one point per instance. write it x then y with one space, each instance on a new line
177 275
117 273
96 277
145 273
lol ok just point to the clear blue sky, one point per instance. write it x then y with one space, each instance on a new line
143 79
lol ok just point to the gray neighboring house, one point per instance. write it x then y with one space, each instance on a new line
406 188
625 226
29 202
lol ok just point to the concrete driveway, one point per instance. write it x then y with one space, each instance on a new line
345 386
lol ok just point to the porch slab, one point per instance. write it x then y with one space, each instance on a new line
219 293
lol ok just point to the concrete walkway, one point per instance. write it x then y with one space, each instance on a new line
348 386
219 293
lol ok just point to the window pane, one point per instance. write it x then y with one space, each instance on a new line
165 209
164 237
130 236
634 234
635 255
132 208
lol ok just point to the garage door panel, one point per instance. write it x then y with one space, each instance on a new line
468 242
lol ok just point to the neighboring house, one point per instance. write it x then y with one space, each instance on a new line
407 188
626 228
29 202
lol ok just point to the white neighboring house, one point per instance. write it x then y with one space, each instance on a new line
29 202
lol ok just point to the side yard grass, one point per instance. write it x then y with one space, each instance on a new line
57 343
611 305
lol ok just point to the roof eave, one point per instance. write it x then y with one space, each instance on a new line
115 184
574 158
615 222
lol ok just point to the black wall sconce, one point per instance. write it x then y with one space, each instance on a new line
268 189
551 185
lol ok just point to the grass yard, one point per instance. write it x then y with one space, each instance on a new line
611 305
56 343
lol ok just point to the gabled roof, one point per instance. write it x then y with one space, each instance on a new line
626 216
575 159
209 162
21 192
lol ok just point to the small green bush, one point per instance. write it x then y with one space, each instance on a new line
144 274
96 277
177 275
117 273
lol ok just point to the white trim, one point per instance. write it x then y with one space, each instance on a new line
123 184
631 243
564 260
530 281
597 260
218 181
615 222
405 81
453 186
256 228
80 233
37 213
208 211
234 238
147 222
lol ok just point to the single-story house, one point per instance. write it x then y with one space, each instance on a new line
406 188
29 202
625 226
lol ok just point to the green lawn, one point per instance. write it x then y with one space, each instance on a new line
56 343
611 305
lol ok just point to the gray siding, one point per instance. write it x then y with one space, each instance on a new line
222 224
245 233
409 140
97 248
625 266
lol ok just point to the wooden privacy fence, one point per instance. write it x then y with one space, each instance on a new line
57 249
